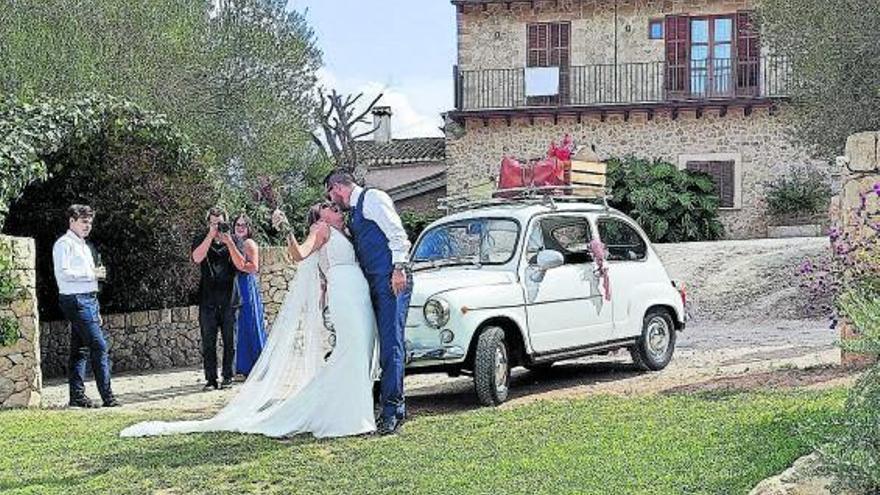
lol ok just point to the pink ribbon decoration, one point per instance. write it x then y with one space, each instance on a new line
597 247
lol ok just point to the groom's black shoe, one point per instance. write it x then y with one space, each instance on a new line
211 386
226 383
390 426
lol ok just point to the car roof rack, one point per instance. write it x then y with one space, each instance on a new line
541 195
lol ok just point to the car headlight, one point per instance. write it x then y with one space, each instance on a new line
436 312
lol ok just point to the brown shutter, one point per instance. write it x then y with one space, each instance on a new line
748 54
722 173
677 38
538 44
549 45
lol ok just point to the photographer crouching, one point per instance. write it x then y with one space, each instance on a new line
218 299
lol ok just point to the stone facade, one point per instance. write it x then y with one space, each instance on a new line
20 379
756 143
493 37
162 338
858 177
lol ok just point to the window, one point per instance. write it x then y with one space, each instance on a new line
549 45
483 240
655 29
621 240
723 175
712 55
569 235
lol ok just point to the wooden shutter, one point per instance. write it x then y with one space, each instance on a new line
677 39
549 45
722 173
748 54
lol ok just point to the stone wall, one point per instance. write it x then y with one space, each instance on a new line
20 379
756 143
162 338
495 37
858 176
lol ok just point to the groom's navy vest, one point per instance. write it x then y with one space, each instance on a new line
370 243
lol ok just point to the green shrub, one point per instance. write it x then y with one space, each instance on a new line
414 222
798 195
671 205
145 180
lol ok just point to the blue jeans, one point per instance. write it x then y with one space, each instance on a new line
391 314
87 343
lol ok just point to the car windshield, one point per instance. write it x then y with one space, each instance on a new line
471 241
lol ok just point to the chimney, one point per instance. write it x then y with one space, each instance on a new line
382 124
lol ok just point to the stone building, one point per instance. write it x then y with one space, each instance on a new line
412 171
686 81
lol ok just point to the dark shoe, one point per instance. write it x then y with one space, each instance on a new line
390 426
226 383
112 402
83 402
211 386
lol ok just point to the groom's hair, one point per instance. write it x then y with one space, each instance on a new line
338 176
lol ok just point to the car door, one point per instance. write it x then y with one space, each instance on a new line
627 269
565 308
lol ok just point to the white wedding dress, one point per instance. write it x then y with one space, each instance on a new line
290 389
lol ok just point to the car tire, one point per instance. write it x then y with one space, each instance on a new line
491 367
654 349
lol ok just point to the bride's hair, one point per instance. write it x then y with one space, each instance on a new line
314 214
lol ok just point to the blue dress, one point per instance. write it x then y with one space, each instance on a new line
251 333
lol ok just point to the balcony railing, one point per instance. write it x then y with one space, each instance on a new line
628 84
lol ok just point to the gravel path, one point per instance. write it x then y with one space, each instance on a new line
706 351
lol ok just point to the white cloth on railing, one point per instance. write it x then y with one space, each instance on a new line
542 81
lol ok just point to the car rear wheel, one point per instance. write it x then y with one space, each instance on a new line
654 349
491 367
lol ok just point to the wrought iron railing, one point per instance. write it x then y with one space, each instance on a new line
630 83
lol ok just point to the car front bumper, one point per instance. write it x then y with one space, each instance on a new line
421 356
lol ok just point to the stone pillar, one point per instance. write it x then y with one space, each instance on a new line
20 378
276 273
860 172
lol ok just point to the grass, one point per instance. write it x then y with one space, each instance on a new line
720 444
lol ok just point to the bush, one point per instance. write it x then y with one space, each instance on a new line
671 205
142 176
798 195
414 222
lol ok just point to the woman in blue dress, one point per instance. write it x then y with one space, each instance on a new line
250 330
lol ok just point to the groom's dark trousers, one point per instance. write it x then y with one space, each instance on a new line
374 256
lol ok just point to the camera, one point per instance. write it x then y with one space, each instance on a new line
223 227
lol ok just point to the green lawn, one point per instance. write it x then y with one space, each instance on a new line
605 445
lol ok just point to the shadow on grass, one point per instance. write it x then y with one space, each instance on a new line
457 395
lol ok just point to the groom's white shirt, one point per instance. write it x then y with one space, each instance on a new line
379 208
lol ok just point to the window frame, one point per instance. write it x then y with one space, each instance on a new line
736 158
536 223
657 22
635 228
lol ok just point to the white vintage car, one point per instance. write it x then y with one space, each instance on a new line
515 284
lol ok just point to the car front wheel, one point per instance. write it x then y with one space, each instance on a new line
491 367
654 349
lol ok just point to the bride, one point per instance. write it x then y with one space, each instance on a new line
291 390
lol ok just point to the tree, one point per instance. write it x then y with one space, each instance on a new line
237 76
833 47
338 119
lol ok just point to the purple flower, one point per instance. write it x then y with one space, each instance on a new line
834 234
806 267
877 188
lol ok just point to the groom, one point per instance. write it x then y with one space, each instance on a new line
382 249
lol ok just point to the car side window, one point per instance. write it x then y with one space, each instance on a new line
621 240
569 235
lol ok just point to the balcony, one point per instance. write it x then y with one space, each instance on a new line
623 87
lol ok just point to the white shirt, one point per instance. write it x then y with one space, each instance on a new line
379 208
74 266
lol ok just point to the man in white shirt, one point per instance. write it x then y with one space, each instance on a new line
382 249
77 278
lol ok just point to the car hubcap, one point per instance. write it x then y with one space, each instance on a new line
501 368
657 337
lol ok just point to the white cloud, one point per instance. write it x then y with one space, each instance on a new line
416 105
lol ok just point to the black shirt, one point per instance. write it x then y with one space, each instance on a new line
217 283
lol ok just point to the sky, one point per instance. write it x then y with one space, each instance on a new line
404 49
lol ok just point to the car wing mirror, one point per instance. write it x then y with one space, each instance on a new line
546 260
